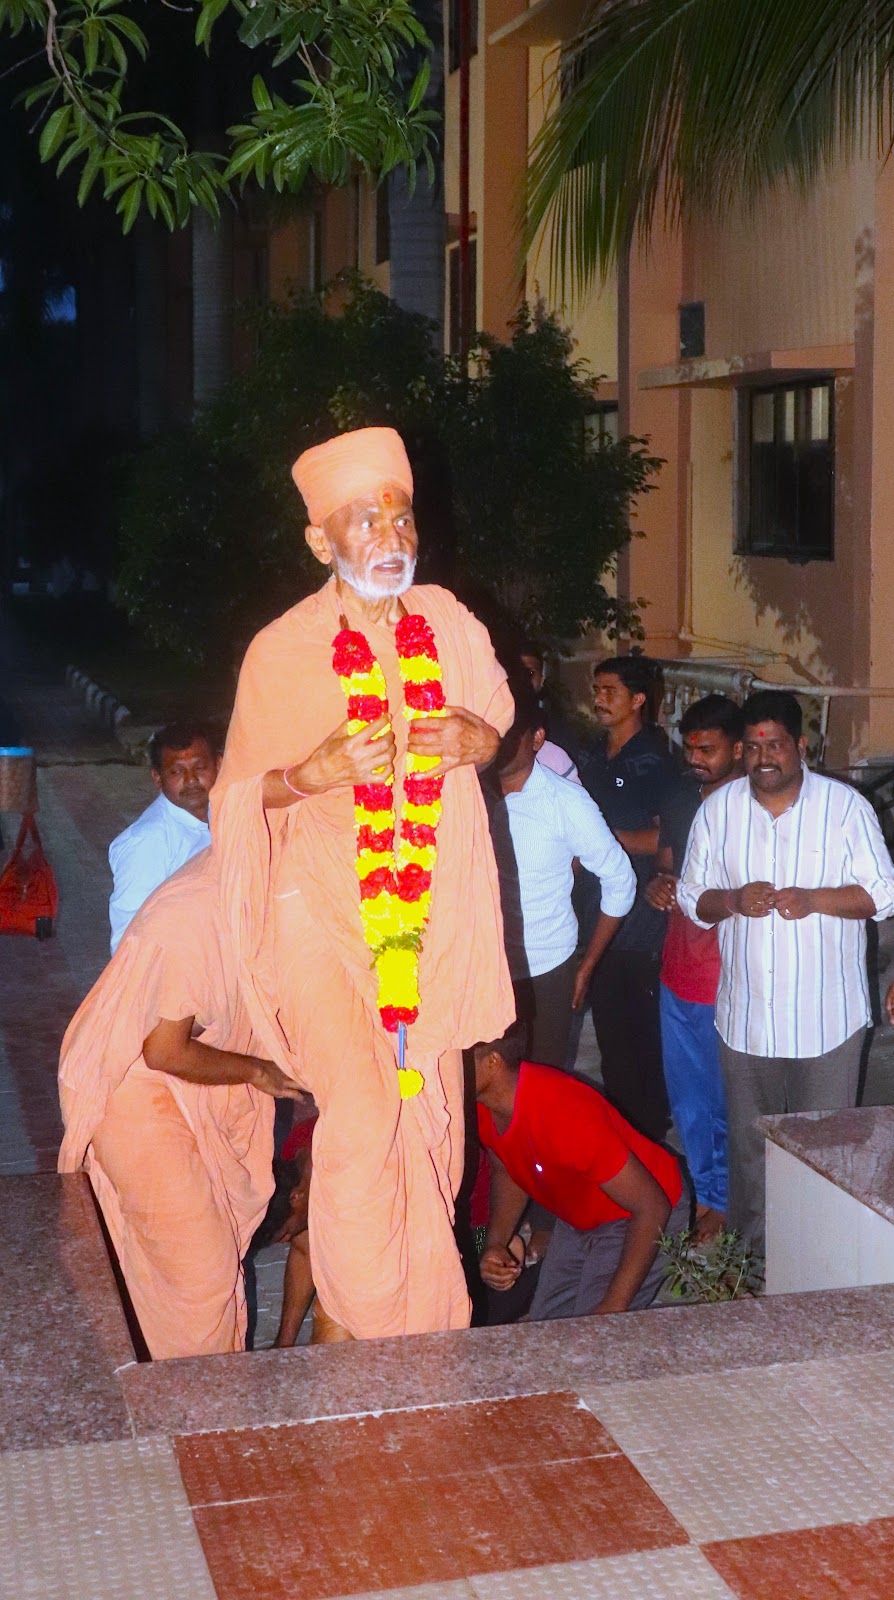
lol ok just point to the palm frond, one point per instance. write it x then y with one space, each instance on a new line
668 107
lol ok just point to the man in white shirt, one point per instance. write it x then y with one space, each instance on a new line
184 762
539 824
788 865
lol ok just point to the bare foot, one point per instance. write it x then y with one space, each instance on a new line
708 1223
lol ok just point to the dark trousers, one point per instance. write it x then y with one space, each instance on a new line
543 1008
624 996
580 1266
763 1086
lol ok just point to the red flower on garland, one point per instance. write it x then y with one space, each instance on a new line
366 707
373 796
425 696
412 881
413 637
375 839
418 833
351 653
393 1016
422 790
381 881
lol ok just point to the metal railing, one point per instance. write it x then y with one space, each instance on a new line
686 681
689 679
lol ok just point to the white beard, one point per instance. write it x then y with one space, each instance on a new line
369 588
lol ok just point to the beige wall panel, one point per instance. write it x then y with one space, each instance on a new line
780 278
451 136
504 119
654 564
594 319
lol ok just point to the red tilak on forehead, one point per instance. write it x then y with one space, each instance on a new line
387 497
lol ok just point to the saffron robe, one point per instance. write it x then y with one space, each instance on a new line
182 1171
385 1170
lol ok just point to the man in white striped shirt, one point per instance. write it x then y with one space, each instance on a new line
788 865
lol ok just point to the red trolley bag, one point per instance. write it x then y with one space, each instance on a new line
29 899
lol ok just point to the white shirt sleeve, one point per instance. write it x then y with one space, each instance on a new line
138 867
592 841
699 871
869 857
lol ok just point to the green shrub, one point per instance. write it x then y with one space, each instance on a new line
510 498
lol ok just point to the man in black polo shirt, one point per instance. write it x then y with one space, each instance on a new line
630 773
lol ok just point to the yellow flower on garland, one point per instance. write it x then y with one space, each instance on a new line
395 858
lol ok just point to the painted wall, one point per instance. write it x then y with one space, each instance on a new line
780 277
593 319
648 336
804 618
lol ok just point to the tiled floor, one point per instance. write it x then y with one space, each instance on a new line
849 1562
626 1465
104 1521
506 1482
704 1488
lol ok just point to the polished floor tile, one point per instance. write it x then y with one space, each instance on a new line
461 1590
429 1442
739 1455
677 1574
853 1401
431 1496
98 1522
842 1563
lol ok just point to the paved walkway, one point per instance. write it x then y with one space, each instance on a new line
87 793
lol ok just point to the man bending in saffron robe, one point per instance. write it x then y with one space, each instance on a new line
168 1108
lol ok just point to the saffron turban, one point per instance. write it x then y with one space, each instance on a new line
352 464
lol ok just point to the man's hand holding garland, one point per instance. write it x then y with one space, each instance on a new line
343 760
458 739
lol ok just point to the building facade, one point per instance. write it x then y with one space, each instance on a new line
754 354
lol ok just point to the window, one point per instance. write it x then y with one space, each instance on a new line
788 471
601 426
692 330
453 260
453 31
383 224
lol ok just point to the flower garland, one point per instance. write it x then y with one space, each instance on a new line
395 882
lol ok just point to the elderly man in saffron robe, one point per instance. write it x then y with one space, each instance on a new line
168 1108
342 937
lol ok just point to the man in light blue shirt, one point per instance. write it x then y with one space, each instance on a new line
184 762
541 824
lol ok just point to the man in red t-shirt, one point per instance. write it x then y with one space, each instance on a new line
711 730
555 1139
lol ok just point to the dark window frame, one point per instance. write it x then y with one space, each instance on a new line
453 268
596 433
453 33
786 475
